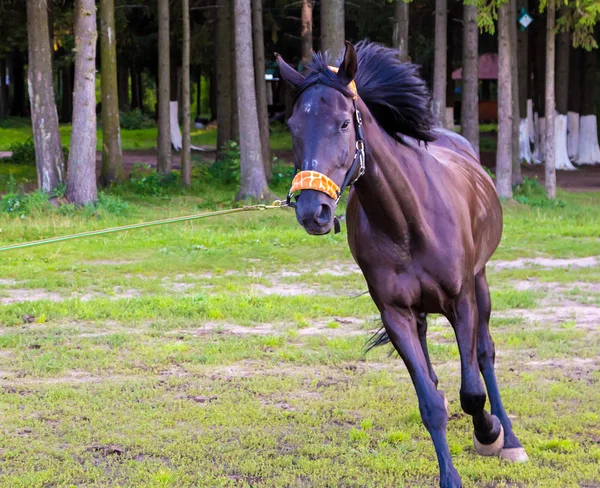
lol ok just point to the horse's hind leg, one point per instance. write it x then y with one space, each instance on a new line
401 327
513 450
422 330
488 431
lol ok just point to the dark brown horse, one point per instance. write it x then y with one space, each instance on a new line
423 220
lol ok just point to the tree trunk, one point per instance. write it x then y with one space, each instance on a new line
332 28
123 86
253 183
186 152
261 85
562 67
165 162
469 118
213 95
574 102
306 31
400 33
589 151
539 95
112 155
223 75
135 96
235 123
66 106
51 29
199 94
49 158
550 149
174 105
81 183
524 152
450 84
17 79
504 150
140 89
517 177
562 72
439 62
3 93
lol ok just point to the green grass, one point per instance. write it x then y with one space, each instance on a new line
19 131
230 352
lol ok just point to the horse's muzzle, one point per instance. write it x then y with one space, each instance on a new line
314 211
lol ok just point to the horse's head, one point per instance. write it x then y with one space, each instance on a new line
327 139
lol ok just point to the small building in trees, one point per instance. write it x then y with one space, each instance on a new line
488 88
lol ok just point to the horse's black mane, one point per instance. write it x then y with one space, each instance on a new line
393 91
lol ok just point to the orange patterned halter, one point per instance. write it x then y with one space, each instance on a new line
313 180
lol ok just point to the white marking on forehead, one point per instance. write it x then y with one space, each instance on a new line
310 107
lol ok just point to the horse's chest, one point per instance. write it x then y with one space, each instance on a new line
396 274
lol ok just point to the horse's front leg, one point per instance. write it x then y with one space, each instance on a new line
401 327
513 450
488 432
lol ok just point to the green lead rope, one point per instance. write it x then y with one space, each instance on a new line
141 225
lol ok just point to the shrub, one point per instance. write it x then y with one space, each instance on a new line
282 172
146 181
111 204
25 203
531 192
226 169
135 120
24 153
22 204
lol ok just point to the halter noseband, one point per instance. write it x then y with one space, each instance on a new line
313 180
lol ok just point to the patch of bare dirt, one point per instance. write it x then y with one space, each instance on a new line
234 329
586 178
584 316
109 262
561 363
340 269
347 326
20 295
16 295
287 290
587 262
577 369
555 287
178 286
14 379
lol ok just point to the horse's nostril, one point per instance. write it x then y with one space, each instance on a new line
323 215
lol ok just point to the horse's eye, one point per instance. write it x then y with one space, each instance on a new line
345 124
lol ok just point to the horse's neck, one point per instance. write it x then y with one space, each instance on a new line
386 192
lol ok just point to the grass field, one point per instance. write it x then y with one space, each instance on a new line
230 352
18 131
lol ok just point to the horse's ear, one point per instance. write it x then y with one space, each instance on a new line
349 65
288 73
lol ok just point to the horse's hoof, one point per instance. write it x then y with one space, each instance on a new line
514 455
493 449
